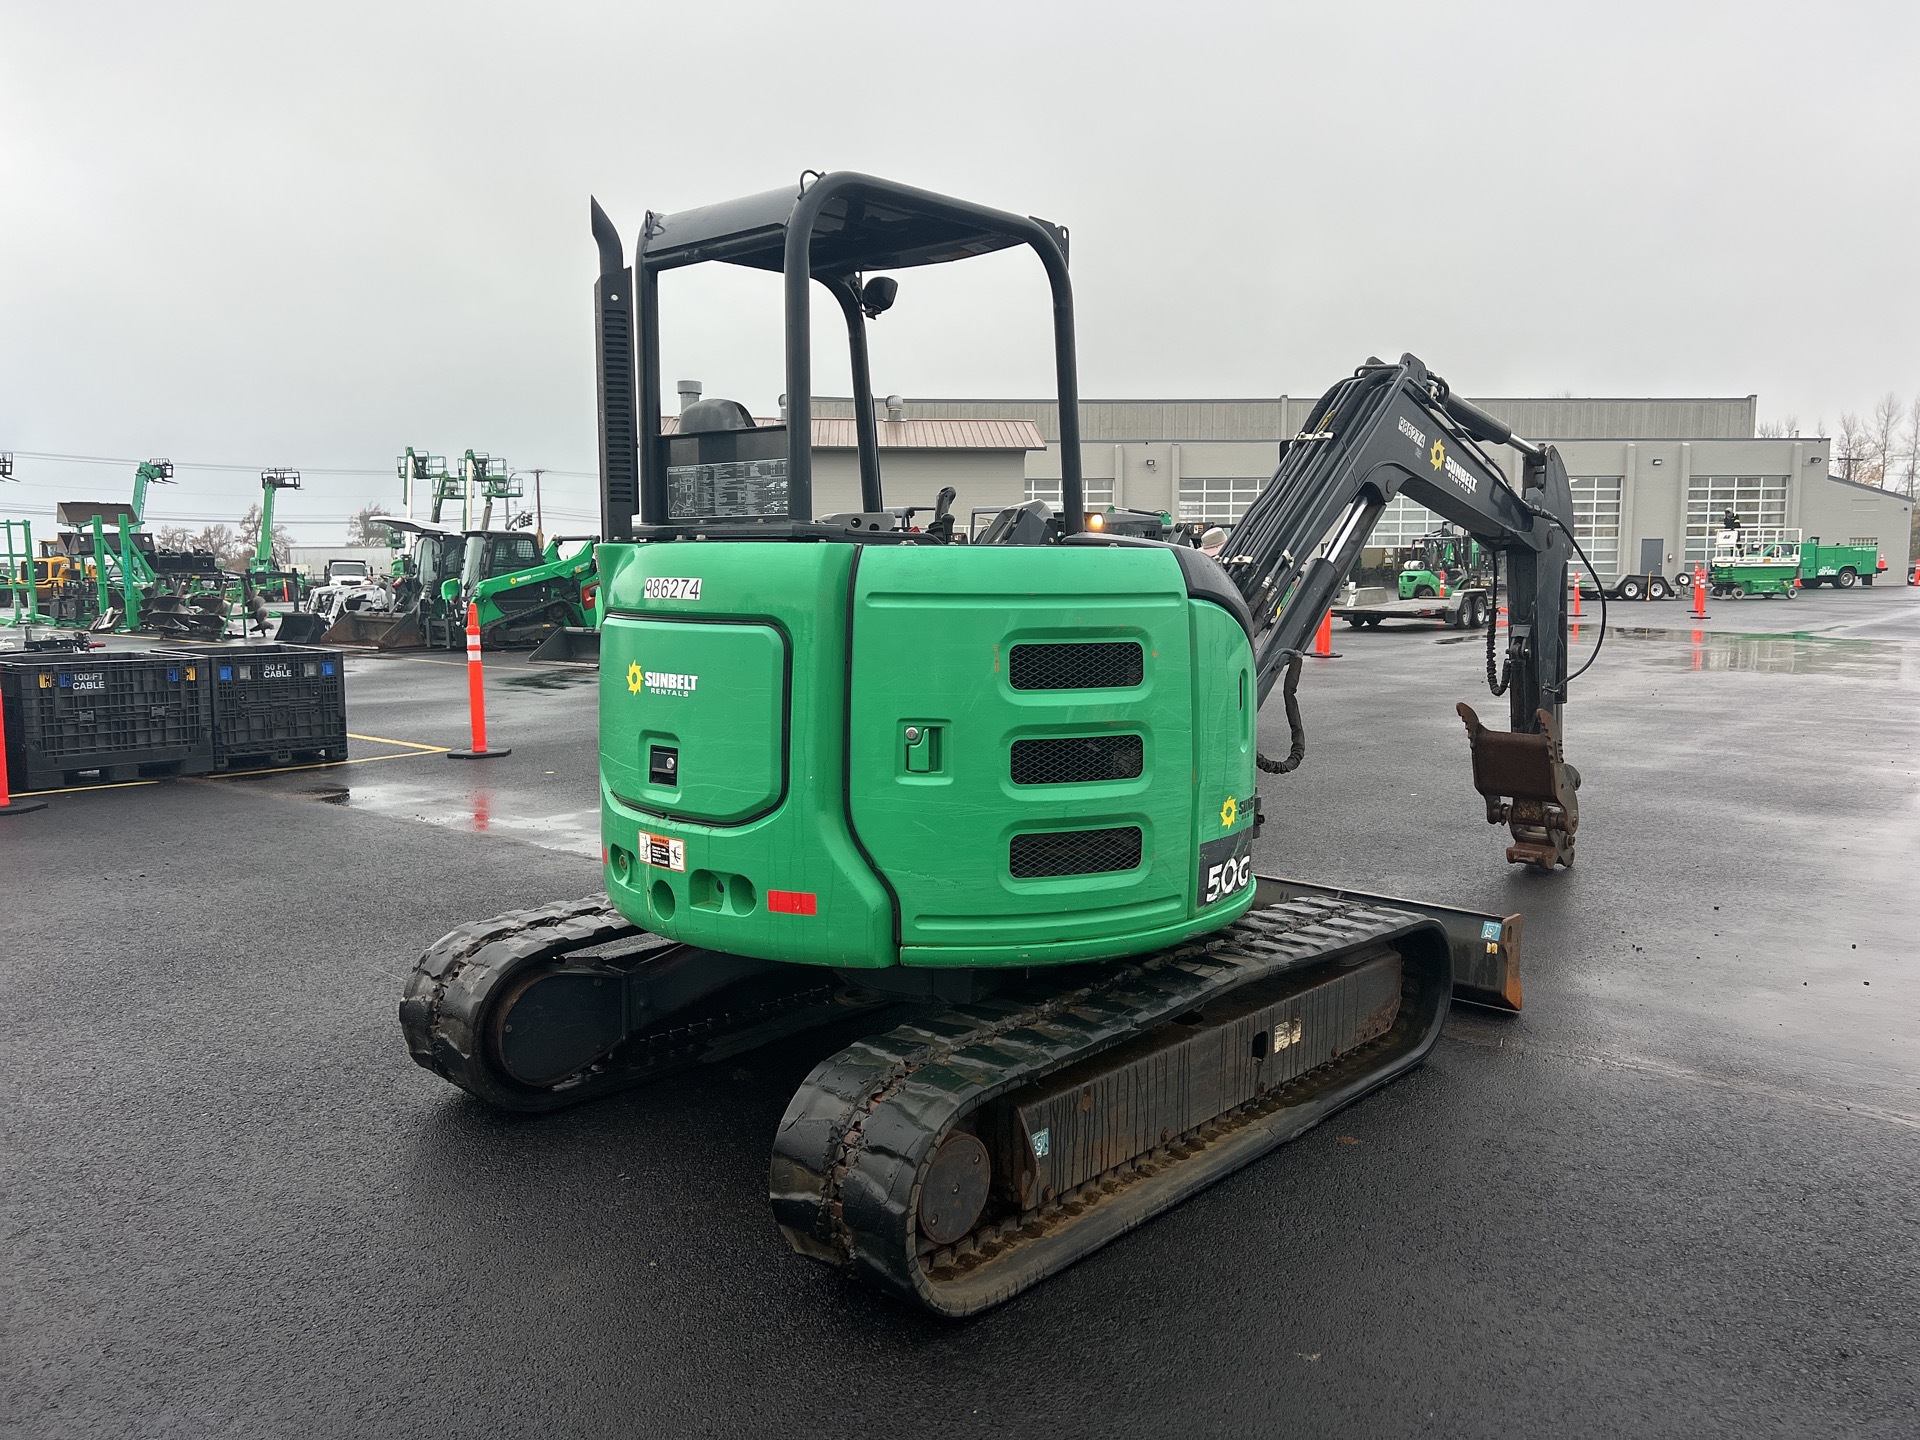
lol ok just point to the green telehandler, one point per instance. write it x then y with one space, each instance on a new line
1000 795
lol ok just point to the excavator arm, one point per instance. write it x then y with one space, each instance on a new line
1397 429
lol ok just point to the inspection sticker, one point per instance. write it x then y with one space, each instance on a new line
662 851
1042 1142
1489 929
671 587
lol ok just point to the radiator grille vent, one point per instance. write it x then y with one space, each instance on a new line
1076 665
1076 759
1074 852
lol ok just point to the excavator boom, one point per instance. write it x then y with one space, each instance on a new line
1398 429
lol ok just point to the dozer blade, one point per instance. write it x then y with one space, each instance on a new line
958 1159
1528 787
1485 946
569 645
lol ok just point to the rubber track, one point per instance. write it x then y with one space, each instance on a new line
850 1152
454 983
455 979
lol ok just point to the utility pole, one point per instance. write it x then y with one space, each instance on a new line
539 523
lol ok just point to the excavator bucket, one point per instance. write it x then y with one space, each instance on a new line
569 645
1528 787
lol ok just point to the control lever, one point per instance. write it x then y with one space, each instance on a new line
941 526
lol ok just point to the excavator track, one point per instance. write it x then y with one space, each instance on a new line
960 1158
610 1005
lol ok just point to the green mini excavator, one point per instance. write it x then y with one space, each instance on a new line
999 797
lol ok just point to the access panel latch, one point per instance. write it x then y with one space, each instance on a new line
1528 787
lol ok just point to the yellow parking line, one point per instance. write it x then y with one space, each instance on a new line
319 764
414 750
411 744
395 655
76 789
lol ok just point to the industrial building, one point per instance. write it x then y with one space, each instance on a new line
1651 477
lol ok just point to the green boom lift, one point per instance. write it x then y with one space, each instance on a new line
21 581
1010 785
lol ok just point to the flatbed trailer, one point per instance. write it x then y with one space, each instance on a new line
1641 587
1369 606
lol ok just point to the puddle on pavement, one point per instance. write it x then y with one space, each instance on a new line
1772 654
1797 653
327 794
551 679
479 811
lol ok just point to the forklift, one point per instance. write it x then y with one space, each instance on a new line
1441 560
1001 796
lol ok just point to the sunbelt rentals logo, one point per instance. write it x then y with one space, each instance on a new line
660 682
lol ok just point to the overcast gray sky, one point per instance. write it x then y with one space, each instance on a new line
261 234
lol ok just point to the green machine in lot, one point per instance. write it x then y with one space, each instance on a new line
522 592
1000 795
1441 560
1841 566
1755 560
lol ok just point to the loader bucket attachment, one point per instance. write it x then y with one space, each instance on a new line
402 633
299 627
569 645
355 627
1527 787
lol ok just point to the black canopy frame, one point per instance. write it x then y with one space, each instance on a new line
830 229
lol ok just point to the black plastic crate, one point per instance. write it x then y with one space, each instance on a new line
276 704
116 716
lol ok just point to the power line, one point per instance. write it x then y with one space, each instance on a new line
246 469
183 464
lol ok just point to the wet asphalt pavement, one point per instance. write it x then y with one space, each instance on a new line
1675 1196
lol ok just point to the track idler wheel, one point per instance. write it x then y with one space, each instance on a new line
556 1021
954 1189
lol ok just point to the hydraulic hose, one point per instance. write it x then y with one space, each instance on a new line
1497 685
1296 728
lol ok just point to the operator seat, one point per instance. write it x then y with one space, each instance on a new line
1019 525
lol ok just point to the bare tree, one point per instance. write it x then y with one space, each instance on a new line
249 537
176 538
1770 430
1854 452
221 544
1910 452
360 527
1883 433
